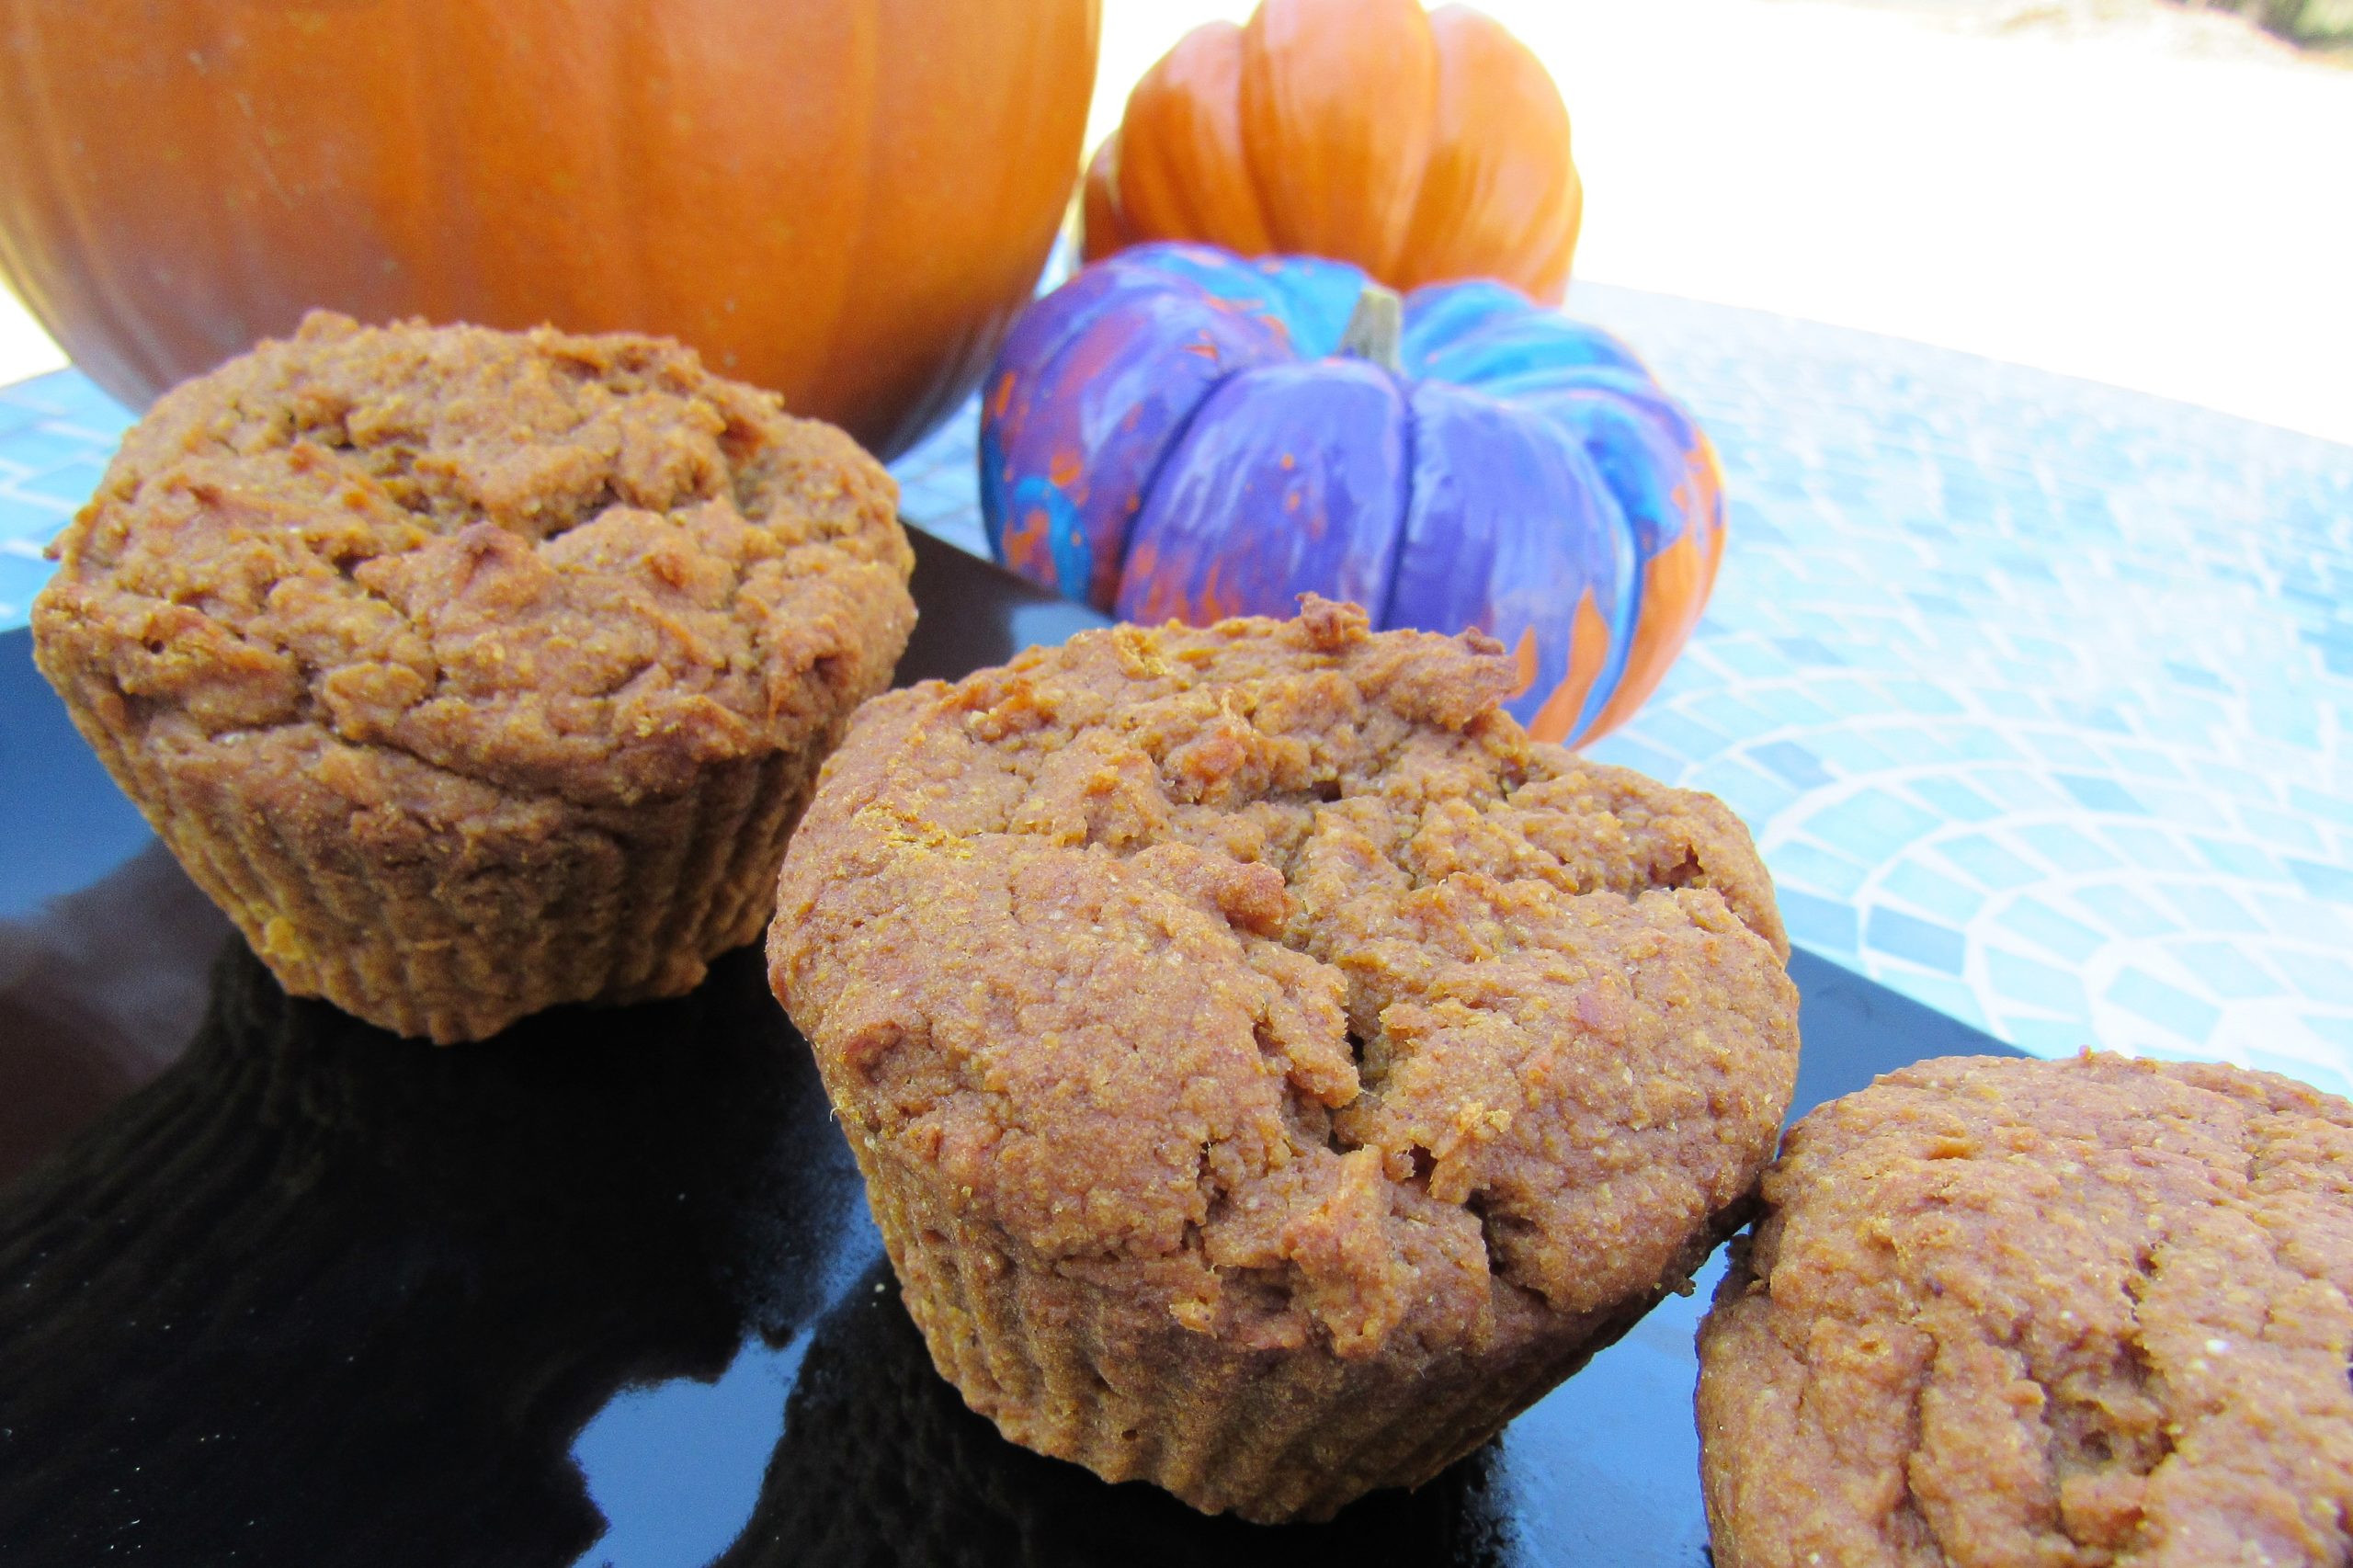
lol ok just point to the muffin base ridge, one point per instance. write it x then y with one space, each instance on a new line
1078 1374
449 914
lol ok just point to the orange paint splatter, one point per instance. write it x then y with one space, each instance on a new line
1588 646
1003 399
1216 601
1676 585
1064 471
1028 547
1112 576
1674 589
1523 659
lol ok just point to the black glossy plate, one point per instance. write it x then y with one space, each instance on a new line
278 1289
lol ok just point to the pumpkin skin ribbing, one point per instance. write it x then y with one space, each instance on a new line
1421 147
844 201
1173 435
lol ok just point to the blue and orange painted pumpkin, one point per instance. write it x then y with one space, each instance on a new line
1174 433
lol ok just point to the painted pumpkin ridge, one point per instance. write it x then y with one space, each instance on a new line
1520 474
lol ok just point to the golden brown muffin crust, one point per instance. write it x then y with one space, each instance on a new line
1267 973
2072 1314
579 566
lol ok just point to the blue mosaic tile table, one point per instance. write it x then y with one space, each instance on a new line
2036 694
56 433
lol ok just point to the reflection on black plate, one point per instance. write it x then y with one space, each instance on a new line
602 1290
881 1463
316 1284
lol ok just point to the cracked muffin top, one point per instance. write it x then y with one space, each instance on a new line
2075 1314
578 566
1271 972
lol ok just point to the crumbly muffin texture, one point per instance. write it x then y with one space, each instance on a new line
472 671
579 566
2072 1314
1264 985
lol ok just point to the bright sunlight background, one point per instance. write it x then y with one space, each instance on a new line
2125 190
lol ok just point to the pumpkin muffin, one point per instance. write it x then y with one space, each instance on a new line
1271 1070
2077 1313
471 671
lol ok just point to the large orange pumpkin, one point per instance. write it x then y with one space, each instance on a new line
1421 147
846 200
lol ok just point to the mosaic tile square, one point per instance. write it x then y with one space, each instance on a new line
2324 977
2167 1007
1821 925
1923 942
1951 998
1987 863
1870 826
2016 978
2046 1036
2227 970
2304 919
1811 866
2211 907
1952 799
2049 931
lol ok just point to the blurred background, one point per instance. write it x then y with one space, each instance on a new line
2132 191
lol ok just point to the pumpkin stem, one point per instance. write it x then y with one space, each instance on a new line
1374 327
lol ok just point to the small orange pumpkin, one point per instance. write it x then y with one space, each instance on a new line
1420 146
844 200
